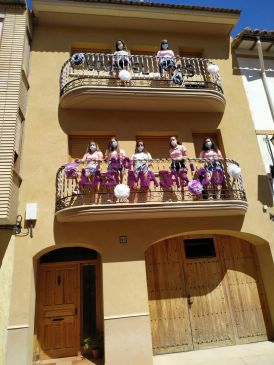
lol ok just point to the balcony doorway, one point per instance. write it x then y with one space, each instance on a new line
69 304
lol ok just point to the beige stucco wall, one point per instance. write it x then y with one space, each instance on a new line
46 149
7 248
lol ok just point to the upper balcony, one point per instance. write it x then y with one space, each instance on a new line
200 189
94 81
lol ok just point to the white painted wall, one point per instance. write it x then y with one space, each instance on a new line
258 103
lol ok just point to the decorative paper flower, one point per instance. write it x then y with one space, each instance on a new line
204 176
71 170
195 187
121 191
124 75
234 170
213 69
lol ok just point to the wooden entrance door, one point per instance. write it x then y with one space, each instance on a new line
168 308
209 313
58 303
205 302
249 311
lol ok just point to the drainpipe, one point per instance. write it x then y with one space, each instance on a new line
271 106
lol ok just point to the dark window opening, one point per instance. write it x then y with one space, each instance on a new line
69 254
199 248
88 279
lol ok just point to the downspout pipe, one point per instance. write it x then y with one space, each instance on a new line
271 106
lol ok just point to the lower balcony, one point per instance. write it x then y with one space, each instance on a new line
199 188
97 81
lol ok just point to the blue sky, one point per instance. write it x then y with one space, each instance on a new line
255 14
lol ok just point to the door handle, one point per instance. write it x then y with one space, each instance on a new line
189 300
58 319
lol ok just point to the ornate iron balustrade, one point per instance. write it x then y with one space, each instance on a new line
161 185
101 69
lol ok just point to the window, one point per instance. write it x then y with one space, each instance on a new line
186 52
18 142
78 144
198 140
89 50
157 146
26 56
199 248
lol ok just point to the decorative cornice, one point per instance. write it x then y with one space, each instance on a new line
161 5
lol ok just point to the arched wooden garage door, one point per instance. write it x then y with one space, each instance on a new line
204 292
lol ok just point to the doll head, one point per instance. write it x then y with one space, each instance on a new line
92 147
121 45
173 142
140 147
113 145
209 144
164 44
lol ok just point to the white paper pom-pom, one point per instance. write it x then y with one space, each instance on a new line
213 69
124 75
121 191
234 171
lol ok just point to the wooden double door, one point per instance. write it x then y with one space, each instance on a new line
67 296
202 302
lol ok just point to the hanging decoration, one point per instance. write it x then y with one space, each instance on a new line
234 170
195 187
122 191
213 69
77 60
204 176
124 75
217 176
71 170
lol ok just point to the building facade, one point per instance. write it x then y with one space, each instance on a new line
181 257
15 32
254 52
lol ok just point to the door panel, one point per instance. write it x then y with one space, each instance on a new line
58 324
245 289
209 313
167 298
199 303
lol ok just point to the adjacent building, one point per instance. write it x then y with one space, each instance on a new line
15 36
254 52
178 258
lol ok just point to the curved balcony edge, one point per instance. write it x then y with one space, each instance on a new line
176 82
149 211
133 98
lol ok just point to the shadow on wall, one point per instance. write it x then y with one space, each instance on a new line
264 191
250 71
5 237
144 123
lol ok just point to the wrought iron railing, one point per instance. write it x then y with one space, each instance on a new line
197 179
101 69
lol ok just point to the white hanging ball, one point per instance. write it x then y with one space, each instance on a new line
234 171
124 75
78 59
121 191
213 69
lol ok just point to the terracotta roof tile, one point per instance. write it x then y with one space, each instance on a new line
249 34
163 5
